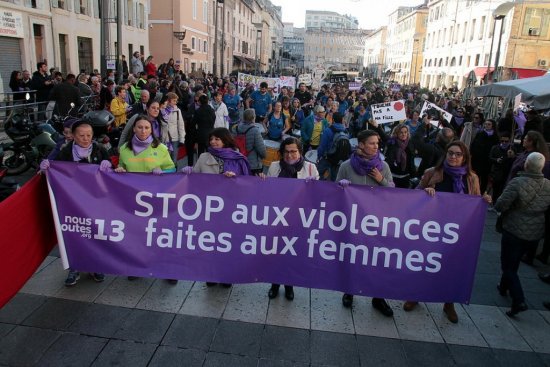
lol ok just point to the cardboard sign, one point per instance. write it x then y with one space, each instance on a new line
304 78
430 106
338 78
389 111
517 102
354 86
111 64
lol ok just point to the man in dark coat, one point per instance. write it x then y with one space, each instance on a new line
204 119
64 94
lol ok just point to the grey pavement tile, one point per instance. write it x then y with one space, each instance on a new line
418 324
473 356
236 337
48 281
496 328
20 307
545 358
534 285
334 349
47 261
280 363
462 333
530 326
100 320
485 292
229 360
535 300
86 290
56 314
166 356
280 343
165 297
205 301
125 353
145 326
328 314
191 332
510 358
427 354
5 329
282 312
381 351
368 321
247 302
125 293
25 345
73 350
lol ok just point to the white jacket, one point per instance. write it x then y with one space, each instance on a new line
176 126
308 170
221 114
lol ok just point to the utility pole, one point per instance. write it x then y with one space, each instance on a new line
119 40
215 63
223 41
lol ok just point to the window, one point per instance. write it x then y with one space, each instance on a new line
194 9
193 43
204 47
59 4
473 30
97 7
477 60
464 31
536 22
205 11
199 45
481 27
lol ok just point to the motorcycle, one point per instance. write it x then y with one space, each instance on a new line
31 142
7 186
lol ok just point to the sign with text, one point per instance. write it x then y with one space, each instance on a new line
382 242
338 78
275 84
389 111
304 78
429 108
11 24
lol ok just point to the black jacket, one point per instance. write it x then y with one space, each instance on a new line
391 158
38 83
64 94
98 154
204 119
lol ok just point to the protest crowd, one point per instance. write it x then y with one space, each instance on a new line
166 122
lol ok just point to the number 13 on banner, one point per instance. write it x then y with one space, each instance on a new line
117 231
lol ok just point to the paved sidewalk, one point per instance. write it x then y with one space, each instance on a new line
151 322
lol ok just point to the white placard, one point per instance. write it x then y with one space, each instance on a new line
273 83
428 106
389 111
305 78
517 102
111 64
11 24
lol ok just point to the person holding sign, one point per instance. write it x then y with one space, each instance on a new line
400 156
453 174
291 165
366 167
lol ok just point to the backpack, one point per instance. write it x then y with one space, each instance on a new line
240 141
340 150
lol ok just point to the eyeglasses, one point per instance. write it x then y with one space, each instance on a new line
290 151
450 153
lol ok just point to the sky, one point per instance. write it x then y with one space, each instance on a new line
371 14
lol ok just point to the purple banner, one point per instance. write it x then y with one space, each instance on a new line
383 242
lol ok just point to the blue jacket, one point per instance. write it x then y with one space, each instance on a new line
306 129
326 139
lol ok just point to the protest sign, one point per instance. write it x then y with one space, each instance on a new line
304 78
338 78
275 84
389 111
430 107
517 102
354 86
403 244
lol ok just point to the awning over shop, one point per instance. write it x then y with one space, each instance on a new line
242 60
528 73
481 71
250 61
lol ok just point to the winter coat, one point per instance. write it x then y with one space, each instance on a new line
204 119
176 125
433 176
254 144
523 203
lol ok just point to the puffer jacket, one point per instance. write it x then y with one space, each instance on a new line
523 203
254 144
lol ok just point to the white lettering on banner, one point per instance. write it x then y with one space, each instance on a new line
430 106
275 84
389 111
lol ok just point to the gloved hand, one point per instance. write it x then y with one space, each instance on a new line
105 166
156 171
310 178
44 165
344 183
187 170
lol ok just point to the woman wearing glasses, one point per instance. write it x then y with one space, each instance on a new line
453 174
291 165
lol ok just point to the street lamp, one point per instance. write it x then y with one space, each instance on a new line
180 35
498 14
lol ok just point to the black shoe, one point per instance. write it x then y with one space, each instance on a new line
545 277
517 308
273 291
172 281
289 293
211 284
503 292
546 304
381 305
347 300
226 285
131 277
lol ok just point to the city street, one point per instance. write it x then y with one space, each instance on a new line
151 322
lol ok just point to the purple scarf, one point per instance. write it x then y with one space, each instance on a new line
459 120
291 170
155 124
80 153
166 112
457 173
232 160
401 157
489 132
139 146
362 166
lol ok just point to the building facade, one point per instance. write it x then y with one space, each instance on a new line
293 49
375 54
330 19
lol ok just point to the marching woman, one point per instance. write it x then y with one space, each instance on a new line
291 165
400 156
221 157
82 149
453 174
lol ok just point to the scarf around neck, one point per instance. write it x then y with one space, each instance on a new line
363 165
232 160
457 174
139 146
291 170
80 153
401 157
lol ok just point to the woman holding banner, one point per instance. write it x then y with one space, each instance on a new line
291 165
222 157
400 156
453 174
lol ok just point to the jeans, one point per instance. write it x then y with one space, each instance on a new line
511 251
175 147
